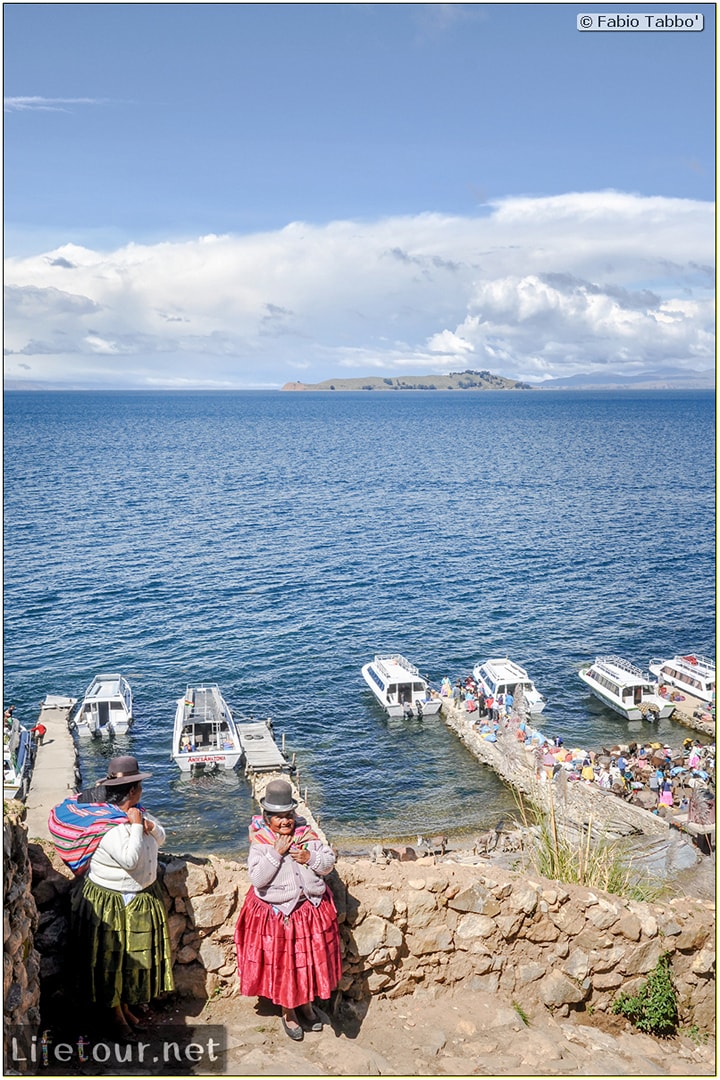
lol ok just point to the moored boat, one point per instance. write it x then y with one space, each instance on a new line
399 687
205 735
693 673
502 676
106 708
18 759
625 689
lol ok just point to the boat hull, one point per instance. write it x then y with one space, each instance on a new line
417 706
534 700
193 763
653 704
429 708
688 681
205 735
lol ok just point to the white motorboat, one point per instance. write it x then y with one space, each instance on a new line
18 759
106 709
205 735
502 676
693 673
399 687
625 689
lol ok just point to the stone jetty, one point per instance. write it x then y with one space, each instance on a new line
576 805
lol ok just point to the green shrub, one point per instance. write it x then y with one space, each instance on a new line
654 1008
593 861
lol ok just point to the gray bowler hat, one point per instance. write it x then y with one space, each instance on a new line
278 798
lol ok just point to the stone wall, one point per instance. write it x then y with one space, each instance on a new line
21 961
429 924
432 925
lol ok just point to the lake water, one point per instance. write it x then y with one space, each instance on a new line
273 542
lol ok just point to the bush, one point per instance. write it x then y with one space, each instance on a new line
593 861
654 1008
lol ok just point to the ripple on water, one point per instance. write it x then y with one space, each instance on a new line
274 542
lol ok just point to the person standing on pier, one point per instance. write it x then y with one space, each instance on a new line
39 732
287 937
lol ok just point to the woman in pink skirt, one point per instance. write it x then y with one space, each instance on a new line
287 938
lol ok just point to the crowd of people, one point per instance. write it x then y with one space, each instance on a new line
650 774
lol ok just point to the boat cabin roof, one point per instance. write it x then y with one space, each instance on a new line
696 666
620 671
105 686
503 670
395 668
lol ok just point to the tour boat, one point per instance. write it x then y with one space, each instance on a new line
692 673
399 687
205 736
502 676
625 689
18 758
106 709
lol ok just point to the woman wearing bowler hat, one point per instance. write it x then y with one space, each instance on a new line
287 938
118 916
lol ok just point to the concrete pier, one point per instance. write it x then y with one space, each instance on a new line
56 773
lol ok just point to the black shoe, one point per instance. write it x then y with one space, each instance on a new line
294 1033
310 1019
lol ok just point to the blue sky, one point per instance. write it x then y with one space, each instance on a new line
245 194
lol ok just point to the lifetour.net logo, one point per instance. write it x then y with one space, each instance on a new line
174 1051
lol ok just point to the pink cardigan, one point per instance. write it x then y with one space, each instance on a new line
282 882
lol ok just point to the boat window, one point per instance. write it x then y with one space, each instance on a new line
376 678
418 687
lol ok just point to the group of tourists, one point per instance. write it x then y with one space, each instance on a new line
649 774
286 936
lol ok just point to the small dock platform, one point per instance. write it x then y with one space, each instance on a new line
693 713
265 761
56 773
262 753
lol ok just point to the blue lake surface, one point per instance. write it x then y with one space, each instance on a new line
273 542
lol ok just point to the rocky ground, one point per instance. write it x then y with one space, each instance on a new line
452 1034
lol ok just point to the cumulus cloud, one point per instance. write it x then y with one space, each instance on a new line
529 288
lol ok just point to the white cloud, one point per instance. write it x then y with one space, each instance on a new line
43 104
533 287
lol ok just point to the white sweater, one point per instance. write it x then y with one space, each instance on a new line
125 860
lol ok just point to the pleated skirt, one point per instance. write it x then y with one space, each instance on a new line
123 951
289 959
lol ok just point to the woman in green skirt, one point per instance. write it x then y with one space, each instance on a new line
118 917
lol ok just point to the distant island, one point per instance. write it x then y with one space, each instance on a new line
672 379
456 380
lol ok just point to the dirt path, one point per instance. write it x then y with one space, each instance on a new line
451 1034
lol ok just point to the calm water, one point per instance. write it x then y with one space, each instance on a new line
273 542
